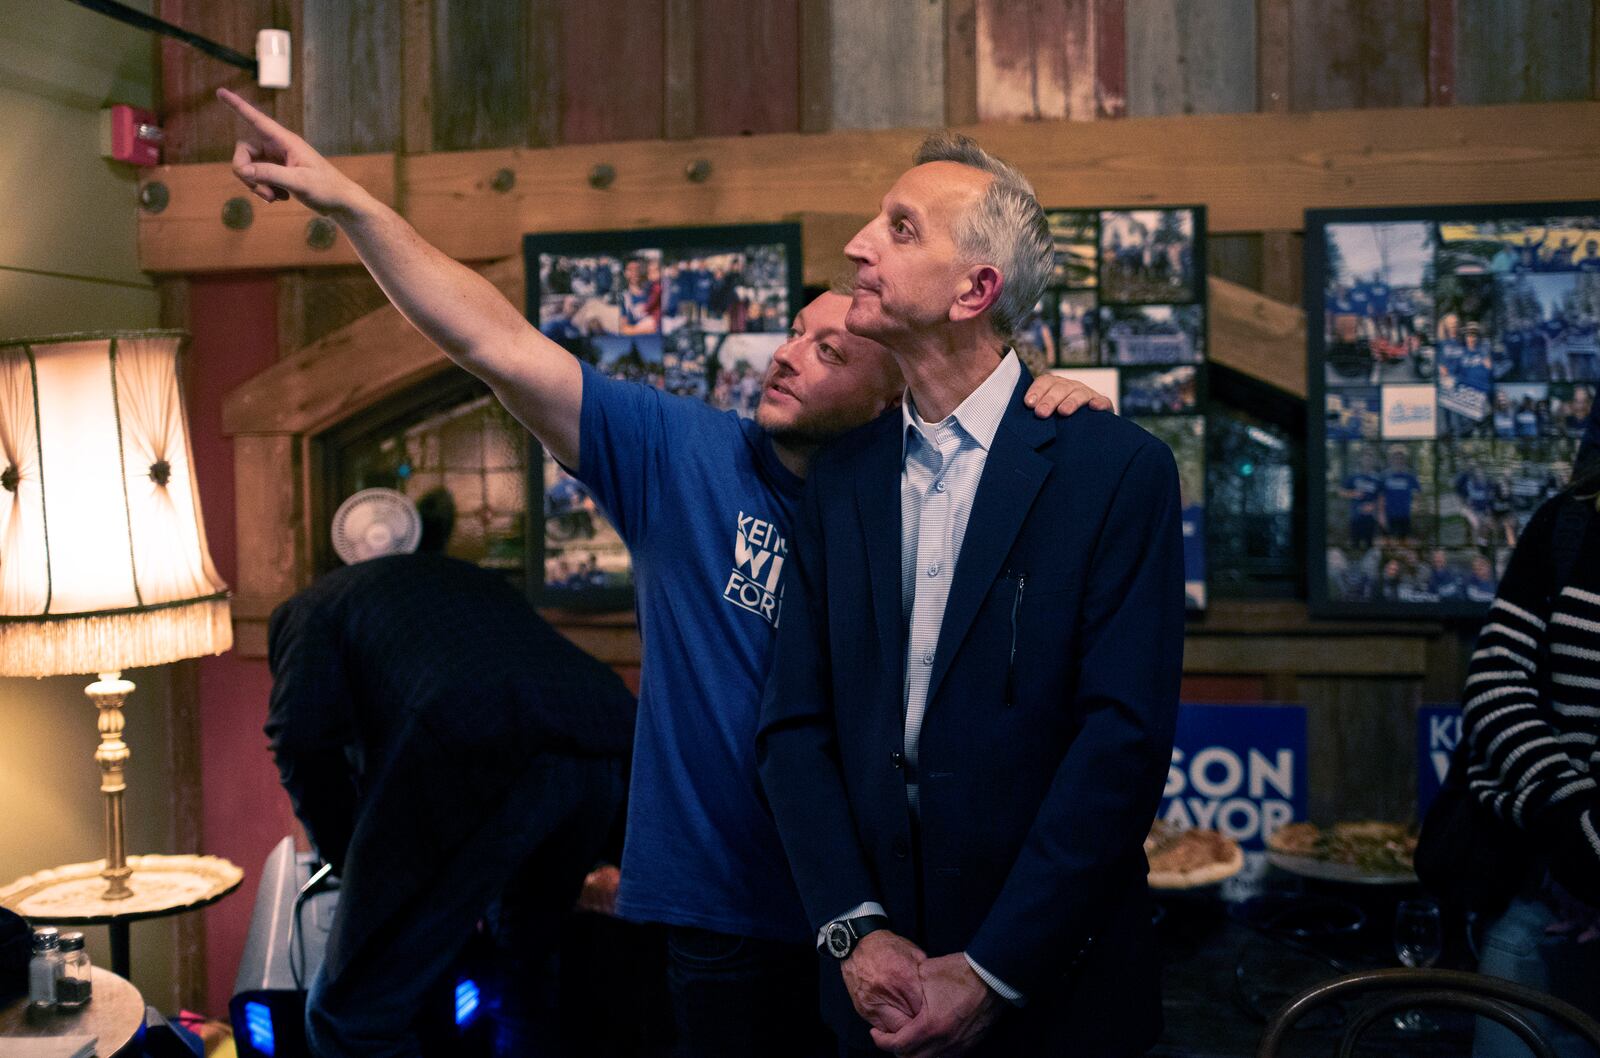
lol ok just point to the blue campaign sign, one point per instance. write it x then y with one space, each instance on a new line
1438 731
1237 769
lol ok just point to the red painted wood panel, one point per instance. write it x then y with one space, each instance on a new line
1110 58
747 67
234 323
199 128
1358 53
612 70
1036 59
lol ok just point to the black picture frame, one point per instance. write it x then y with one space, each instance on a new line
1115 292
622 244
1320 362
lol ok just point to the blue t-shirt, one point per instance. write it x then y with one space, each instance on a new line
704 505
1366 488
1447 583
1398 487
1473 490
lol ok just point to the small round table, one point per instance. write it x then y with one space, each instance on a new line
162 885
114 1016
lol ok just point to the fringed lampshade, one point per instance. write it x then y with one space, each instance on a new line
103 559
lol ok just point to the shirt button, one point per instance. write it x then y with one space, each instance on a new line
927 657
897 759
901 848
938 486
933 570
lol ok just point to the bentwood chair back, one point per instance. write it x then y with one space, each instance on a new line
1392 991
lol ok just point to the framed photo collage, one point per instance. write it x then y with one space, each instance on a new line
694 311
1126 313
1454 360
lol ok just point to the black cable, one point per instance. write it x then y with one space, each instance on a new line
296 934
140 20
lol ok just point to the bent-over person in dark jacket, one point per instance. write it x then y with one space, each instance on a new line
453 757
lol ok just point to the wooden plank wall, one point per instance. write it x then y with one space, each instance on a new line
590 71
435 75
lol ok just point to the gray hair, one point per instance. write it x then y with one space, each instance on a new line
1006 228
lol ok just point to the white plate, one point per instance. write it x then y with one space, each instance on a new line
1322 870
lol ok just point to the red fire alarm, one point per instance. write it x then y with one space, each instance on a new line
131 135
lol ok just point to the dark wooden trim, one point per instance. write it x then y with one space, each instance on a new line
1280 263
1274 56
1594 54
289 104
185 805
816 65
961 62
679 43
291 312
416 76
1110 58
544 73
1441 53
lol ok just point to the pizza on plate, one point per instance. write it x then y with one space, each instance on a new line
1189 859
1369 845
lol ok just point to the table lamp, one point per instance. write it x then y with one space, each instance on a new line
103 560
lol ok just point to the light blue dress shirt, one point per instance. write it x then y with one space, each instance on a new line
940 468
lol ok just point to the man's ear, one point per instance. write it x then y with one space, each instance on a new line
980 289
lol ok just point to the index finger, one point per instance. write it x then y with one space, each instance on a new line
247 110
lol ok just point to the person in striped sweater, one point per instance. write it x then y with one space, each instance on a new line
1531 718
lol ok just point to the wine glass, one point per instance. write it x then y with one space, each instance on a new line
1417 942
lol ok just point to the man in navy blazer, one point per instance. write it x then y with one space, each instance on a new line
963 763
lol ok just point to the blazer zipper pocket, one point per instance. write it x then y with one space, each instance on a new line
1011 663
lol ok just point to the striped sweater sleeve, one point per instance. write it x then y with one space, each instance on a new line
1518 767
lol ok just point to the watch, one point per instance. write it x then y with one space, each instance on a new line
840 938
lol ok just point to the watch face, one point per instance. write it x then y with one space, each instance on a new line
838 940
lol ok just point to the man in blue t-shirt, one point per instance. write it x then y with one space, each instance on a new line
1476 494
1362 489
704 500
1400 485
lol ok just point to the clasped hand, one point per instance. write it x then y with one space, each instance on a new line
918 1007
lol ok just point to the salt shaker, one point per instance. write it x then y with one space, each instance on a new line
73 987
43 969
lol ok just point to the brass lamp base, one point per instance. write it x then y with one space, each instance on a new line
108 694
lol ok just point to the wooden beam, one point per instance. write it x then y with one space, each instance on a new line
190 229
346 371
1254 172
1258 336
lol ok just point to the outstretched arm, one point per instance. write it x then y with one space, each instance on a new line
458 310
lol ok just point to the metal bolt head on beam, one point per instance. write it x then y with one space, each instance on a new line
697 171
602 176
154 196
503 180
237 214
321 233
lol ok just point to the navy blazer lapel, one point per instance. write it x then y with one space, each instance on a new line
1012 476
878 502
